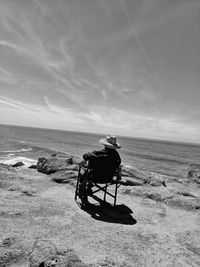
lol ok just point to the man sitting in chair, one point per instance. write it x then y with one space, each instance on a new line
109 157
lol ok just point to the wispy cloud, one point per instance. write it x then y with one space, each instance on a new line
13 46
123 67
19 105
54 108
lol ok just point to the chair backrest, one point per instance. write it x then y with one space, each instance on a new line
102 169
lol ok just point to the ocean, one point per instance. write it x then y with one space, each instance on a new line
27 144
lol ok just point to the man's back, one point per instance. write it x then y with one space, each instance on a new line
103 163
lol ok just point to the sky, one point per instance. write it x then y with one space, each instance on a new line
122 67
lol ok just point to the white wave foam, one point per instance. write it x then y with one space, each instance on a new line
27 161
10 151
17 151
26 149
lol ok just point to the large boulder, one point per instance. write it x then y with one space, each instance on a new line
18 164
55 164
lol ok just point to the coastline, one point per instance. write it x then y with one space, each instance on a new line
154 156
162 227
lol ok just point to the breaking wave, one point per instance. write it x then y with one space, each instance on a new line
27 161
17 151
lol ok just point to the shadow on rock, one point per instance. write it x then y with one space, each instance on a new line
105 212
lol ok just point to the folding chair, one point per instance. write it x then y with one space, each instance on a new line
93 178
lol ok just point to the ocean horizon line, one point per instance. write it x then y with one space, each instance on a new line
164 141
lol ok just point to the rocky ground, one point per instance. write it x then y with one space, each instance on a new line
156 221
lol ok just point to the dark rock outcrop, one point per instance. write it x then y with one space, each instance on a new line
66 168
33 167
18 164
54 164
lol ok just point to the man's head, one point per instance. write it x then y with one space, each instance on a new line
110 142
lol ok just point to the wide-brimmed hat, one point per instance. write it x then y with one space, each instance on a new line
110 141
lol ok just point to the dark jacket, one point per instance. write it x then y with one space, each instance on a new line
104 162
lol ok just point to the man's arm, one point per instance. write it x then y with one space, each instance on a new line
89 155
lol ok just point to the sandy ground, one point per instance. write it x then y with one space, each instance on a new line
139 232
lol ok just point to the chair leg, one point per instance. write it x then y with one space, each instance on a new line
77 184
115 199
104 199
